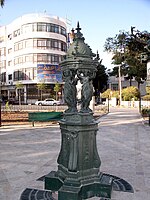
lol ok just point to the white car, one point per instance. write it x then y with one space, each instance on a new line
47 102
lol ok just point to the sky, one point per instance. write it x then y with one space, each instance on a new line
99 19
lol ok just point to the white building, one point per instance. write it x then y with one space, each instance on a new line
113 84
30 49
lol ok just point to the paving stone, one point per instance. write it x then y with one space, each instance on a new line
123 141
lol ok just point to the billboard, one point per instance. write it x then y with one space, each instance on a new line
49 73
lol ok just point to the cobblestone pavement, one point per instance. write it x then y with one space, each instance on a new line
123 140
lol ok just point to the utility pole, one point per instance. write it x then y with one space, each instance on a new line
0 98
120 87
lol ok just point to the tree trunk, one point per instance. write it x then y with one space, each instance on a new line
139 97
19 96
56 96
130 81
41 95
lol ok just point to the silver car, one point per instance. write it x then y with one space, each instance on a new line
47 102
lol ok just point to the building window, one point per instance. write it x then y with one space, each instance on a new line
1 39
41 57
63 31
55 44
9 50
18 60
54 28
18 46
15 61
3 51
3 77
16 33
34 73
48 44
41 27
48 28
41 43
16 76
34 27
10 36
63 47
19 75
4 64
28 43
114 86
29 58
34 57
10 63
10 77
55 58
47 58
27 28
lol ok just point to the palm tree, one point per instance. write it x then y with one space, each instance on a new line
57 89
19 87
41 86
2 2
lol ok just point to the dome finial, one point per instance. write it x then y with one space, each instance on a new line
78 34
97 55
78 27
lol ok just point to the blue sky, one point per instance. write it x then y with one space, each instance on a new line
99 19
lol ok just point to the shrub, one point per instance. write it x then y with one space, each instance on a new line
129 93
109 93
145 111
148 90
146 97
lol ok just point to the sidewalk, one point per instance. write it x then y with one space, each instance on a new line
123 140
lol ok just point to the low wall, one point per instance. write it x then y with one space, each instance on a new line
135 104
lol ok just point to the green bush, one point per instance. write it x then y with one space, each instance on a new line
129 93
109 93
146 97
148 90
106 94
145 111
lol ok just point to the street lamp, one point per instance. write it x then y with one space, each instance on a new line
109 98
108 103
120 87
0 98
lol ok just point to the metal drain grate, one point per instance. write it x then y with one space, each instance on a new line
121 185
34 194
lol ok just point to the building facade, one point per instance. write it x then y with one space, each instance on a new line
113 84
31 48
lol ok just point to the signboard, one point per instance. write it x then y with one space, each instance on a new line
49 73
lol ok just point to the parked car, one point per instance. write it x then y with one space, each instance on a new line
47 102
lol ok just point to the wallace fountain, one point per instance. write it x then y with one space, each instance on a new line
78 175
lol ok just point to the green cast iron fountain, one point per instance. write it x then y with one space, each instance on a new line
78 176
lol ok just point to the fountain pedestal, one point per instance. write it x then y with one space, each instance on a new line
78 176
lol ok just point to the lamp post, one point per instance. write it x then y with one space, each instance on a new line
0 98
120 87
108 103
